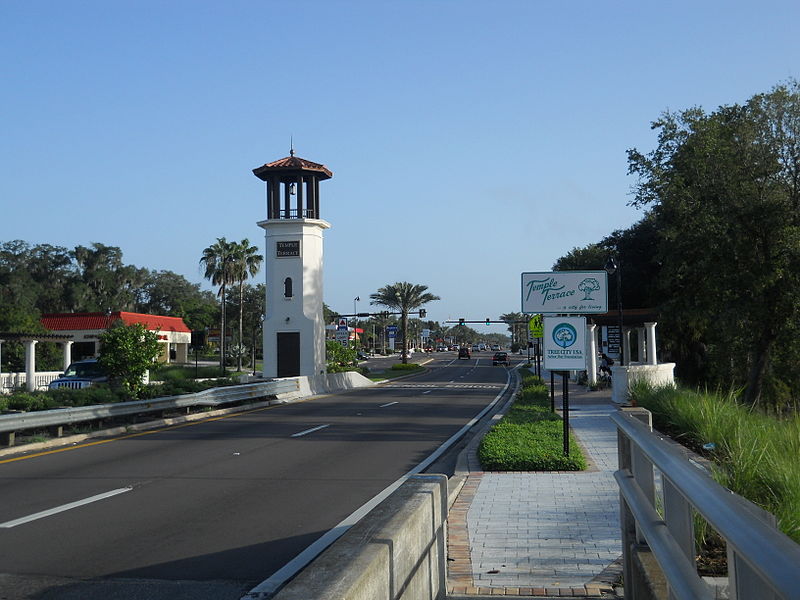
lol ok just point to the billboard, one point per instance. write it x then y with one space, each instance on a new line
565 292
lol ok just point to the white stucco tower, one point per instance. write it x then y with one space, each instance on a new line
294 328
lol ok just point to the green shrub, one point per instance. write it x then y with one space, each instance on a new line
530 436
406 367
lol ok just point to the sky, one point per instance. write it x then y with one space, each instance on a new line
470 141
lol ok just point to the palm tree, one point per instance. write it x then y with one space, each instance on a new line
218 260
246 263
405 297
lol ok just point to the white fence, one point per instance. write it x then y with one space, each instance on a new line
16 381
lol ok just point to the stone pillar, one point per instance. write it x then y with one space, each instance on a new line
67 354
652 359
626 345
591 375
30 365
182 353
640 342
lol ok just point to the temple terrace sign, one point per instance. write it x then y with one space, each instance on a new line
565 292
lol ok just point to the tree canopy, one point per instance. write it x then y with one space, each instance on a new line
723 189
404 297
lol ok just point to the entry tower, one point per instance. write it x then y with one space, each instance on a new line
294 328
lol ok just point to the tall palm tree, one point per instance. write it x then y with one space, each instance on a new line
246 263
218 261
405 297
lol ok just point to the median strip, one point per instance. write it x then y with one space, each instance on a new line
62 508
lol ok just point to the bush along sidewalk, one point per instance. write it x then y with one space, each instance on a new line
529 437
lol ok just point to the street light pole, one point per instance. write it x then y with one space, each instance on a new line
613 267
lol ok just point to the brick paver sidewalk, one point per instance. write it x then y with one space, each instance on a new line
542 533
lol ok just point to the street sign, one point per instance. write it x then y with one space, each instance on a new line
565 343
391 330
536 326
342 333
565 292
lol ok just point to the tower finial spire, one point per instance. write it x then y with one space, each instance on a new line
291 145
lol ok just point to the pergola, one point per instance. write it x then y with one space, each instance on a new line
30 340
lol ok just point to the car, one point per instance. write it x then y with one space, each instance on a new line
79 375
500 358
440 348
463 353
496 347
475 348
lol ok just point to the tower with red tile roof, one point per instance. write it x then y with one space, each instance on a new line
294 329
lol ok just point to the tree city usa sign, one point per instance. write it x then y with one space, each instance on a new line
564 343
565 292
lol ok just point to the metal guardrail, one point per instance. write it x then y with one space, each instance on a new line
211 397
762 561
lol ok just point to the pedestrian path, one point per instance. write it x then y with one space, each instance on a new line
542 533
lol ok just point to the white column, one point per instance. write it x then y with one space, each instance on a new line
1 355
642 347
592 366
67 354
652 359
626 345
30 365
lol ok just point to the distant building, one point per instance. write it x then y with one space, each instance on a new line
86 329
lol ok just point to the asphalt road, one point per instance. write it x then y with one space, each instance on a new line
210 509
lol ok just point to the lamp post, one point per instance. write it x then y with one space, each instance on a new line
612 267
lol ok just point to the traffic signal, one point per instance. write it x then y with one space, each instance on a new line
488 320
422 313
461 321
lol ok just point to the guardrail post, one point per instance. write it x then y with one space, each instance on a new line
743 581
627 522
7 438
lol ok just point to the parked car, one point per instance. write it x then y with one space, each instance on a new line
496 347
79 375
500 358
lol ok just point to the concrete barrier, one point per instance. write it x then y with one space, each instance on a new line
325 384
396 552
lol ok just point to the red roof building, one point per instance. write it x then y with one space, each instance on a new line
86 329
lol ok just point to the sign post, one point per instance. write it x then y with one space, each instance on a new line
565 351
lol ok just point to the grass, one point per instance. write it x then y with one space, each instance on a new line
180 373
530 437
756 455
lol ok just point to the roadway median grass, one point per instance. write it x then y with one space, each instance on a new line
530 436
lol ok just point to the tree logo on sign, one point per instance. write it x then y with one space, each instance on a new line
564 335
587 286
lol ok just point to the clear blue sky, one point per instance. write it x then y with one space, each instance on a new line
470 140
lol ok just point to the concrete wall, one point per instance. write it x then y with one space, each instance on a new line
623 377
396 552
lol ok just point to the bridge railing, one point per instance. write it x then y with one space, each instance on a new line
12 423
762 561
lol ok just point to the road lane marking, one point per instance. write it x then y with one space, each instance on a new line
387 404
312 430
267 587
63 507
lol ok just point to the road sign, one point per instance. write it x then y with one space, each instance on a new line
565 343
536 326
565 292
391 330
342 333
